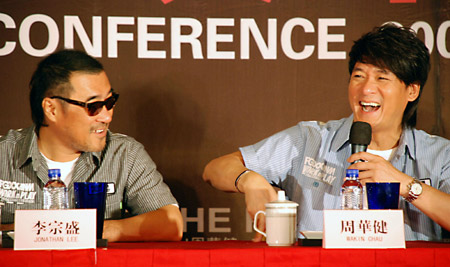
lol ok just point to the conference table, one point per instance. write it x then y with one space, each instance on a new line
230 253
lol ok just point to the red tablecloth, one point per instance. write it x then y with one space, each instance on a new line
229 253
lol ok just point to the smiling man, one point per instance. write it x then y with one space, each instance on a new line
72 105
388 67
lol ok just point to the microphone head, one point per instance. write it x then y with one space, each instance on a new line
360 133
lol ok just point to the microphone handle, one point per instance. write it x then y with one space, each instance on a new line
356 149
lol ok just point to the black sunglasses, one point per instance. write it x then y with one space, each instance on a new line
95 107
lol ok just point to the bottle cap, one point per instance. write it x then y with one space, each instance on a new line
54 173
352 173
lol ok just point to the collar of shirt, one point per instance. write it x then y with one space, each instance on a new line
406 143
28 150
342 135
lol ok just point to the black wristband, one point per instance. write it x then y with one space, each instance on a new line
237 180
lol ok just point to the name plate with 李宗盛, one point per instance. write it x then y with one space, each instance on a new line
363 229
55 229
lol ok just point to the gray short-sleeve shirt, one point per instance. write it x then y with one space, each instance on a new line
123 163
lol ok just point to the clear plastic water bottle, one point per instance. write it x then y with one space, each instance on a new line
55 192
351 191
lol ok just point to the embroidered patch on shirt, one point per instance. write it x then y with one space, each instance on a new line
14 192
318 170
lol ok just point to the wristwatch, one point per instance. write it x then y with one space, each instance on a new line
415 190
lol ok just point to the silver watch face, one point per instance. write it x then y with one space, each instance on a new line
416 188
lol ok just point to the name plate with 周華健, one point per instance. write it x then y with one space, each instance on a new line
363 229
55 229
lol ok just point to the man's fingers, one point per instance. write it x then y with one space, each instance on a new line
261 225
258 237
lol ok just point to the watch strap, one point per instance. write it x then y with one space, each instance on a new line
411 195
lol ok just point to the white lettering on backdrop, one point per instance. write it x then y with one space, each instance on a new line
218 33
218 220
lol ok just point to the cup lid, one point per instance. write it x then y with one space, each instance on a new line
281 202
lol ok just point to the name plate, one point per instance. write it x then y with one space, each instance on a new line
55 229
363 229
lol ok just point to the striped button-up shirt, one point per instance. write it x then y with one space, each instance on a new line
123 163
309 160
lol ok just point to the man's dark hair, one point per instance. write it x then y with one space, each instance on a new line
399 50
52 77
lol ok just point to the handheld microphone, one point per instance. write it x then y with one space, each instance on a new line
360 137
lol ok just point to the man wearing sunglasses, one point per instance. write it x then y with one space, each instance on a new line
72 105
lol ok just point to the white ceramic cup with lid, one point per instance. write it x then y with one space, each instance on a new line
281 221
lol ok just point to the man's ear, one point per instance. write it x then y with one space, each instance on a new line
413 91
49 106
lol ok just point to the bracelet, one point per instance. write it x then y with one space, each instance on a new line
237 180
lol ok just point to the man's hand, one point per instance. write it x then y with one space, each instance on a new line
222 173
258 192
7 227
376 169
164 224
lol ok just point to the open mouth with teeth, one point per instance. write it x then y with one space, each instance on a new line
369 106
98 131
